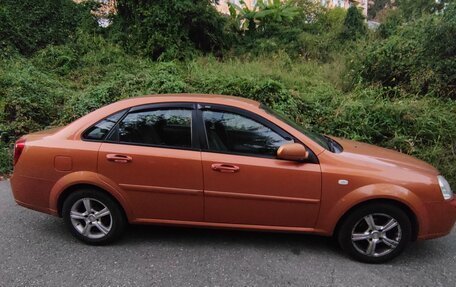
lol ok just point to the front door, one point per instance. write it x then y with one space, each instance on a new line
151 157
244 182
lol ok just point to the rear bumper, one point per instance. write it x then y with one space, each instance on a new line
442 217
32 193
37 208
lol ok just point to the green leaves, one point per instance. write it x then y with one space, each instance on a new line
276 10
354 25
169 29
29 25
418 56
263 13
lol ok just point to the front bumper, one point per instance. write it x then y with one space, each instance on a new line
442 217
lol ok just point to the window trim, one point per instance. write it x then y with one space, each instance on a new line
249 115
154 107
198 129
147 107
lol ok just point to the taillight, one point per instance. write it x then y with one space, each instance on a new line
18 148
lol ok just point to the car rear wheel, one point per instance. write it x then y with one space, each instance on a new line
375 233
93 217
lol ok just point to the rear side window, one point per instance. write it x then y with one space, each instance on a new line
101 129
160 127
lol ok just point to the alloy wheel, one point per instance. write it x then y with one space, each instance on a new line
91 218
376 235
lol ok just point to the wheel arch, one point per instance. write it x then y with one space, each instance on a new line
334 210
81 186
80 180
410 214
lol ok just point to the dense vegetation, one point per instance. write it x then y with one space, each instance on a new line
392 87
419 56
168 30
28 25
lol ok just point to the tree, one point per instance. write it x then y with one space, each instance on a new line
243 16
168 29
276 10
264 12
354 25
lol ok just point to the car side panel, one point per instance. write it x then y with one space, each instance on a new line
263 192
39 168
160 183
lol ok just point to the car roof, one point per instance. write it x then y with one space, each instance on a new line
202 98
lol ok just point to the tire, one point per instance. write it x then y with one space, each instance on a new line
102 225
376 242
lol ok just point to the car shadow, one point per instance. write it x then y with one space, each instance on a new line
293 243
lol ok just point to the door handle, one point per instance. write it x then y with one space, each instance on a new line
227 168
119 158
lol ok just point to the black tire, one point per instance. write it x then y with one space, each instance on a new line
113 224
382 213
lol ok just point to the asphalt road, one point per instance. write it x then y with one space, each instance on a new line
37 250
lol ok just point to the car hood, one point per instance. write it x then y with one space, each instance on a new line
381 158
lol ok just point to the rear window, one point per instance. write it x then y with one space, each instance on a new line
100 130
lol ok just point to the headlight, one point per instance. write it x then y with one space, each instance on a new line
445 188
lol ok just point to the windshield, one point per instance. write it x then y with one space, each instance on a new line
322 140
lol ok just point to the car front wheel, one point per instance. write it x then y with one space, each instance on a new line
93 217
375 233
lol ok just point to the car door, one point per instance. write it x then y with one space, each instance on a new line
244 182
151 155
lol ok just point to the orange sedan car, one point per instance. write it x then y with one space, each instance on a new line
227 162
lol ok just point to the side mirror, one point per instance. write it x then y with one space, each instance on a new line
293 151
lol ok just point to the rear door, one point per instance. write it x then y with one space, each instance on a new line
151 154
244 182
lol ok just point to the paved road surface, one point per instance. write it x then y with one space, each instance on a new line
37 250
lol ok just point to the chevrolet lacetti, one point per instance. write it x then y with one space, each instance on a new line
227 162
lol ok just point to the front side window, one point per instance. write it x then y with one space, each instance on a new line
323 141
161 127
229 132
101 129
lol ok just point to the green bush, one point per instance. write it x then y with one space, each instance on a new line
166 78
29 25
57 59
313 34
169 29
354 26
6 159
321 39
80 104
419 57
30 98
412 9
394 19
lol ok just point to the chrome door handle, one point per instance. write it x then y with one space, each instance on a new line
227 168
119 158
